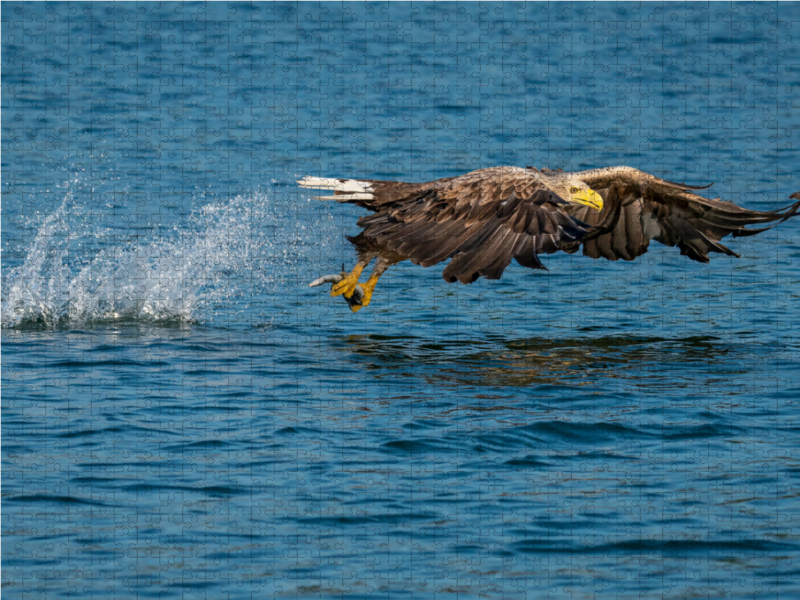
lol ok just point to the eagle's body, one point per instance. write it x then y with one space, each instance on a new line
482 220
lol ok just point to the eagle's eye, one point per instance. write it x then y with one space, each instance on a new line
574 190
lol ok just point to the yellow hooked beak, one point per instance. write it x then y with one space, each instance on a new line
589 198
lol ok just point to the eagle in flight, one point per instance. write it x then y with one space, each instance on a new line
482 220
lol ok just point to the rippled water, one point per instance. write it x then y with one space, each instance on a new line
183 416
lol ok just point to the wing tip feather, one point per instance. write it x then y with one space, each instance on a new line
686 186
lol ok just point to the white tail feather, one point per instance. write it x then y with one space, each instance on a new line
338 185
344 197
357 190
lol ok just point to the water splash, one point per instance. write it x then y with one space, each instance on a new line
78 273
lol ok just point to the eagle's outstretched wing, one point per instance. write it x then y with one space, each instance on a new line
640 207
481 221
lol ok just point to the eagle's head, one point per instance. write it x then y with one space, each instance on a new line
573 190
580 193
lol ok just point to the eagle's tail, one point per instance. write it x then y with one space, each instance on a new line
344 190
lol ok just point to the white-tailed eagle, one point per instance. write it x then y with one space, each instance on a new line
482 220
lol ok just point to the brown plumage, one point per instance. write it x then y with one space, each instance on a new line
483 220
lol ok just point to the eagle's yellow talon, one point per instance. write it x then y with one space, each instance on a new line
345 286
348 284
368 288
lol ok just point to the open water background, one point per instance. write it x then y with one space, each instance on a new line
183 417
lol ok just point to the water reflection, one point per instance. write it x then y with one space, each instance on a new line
579 361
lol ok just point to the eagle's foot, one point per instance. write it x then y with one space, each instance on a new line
357 304
348 283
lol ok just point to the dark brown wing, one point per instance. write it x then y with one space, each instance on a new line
640 207
481 221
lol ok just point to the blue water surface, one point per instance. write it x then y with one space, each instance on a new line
183 417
